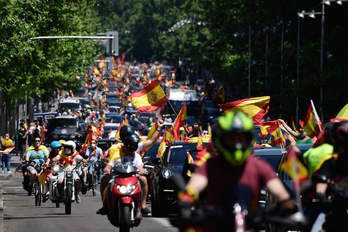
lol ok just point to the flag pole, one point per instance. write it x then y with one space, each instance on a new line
170 104
316 115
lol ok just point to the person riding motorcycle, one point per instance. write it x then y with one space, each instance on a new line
36 152
93 154
233 174
123 152
332 171
69 156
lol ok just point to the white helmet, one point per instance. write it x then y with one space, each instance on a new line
70 143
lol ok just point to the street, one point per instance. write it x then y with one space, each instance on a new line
20 214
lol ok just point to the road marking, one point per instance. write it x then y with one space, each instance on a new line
163 221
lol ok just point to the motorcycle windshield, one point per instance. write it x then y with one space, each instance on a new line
125 168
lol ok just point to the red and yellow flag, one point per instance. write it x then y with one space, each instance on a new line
200 145
189 161
272 128
161 148
256 107
312 124
169 136
149 99
152 130
180 121
294 168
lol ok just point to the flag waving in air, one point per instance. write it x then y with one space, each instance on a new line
256 107
180 121
150 98
272 128
312 124
342 115
294 168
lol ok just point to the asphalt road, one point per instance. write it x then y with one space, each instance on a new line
21 215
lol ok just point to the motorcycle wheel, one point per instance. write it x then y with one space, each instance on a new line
94 184
68 195
125 219
37 193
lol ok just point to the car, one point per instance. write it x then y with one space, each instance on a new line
69 104
162 189
109 128
113 100
64 127
113 118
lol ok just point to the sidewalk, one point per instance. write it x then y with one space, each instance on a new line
3 179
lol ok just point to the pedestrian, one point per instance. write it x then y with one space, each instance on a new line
7 145
21 139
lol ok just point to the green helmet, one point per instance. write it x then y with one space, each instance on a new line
233 137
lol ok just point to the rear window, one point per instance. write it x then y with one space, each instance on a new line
177 155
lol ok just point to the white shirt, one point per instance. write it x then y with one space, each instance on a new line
134 159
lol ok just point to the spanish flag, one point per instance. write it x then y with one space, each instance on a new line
256 107
272 128
150 98
169 136
294 168
152 130
161 148
312 124
180 121
189 161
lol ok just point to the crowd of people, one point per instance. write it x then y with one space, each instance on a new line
224 172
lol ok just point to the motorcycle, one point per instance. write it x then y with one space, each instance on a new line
233 215
125 197
69 186
333 208
89 177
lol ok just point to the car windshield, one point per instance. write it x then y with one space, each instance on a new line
61 123
271 156
69 105
112 118
177 155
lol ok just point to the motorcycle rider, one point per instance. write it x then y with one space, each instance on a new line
123 152
233 173
331 171
94 154
69 156
35 153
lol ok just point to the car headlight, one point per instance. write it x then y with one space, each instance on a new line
166 173
126 189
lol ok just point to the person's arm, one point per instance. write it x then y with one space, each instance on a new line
197 183
277 189
287 128
148 143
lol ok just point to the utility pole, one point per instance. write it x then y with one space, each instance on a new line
298 68
266 59
322 58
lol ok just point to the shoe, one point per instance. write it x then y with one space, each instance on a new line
145 211
102 211
77 199
9 173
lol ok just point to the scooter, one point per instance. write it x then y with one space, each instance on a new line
125 197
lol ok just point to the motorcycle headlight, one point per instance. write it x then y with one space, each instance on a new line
166 173
126 189
56 169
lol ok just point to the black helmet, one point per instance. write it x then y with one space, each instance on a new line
340 134
131 143
125 132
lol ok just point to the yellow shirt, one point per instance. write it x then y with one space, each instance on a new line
6 143
115 153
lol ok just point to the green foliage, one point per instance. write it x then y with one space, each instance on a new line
41 66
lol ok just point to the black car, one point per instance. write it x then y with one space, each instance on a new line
113 118
113 100
162 189
64 127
